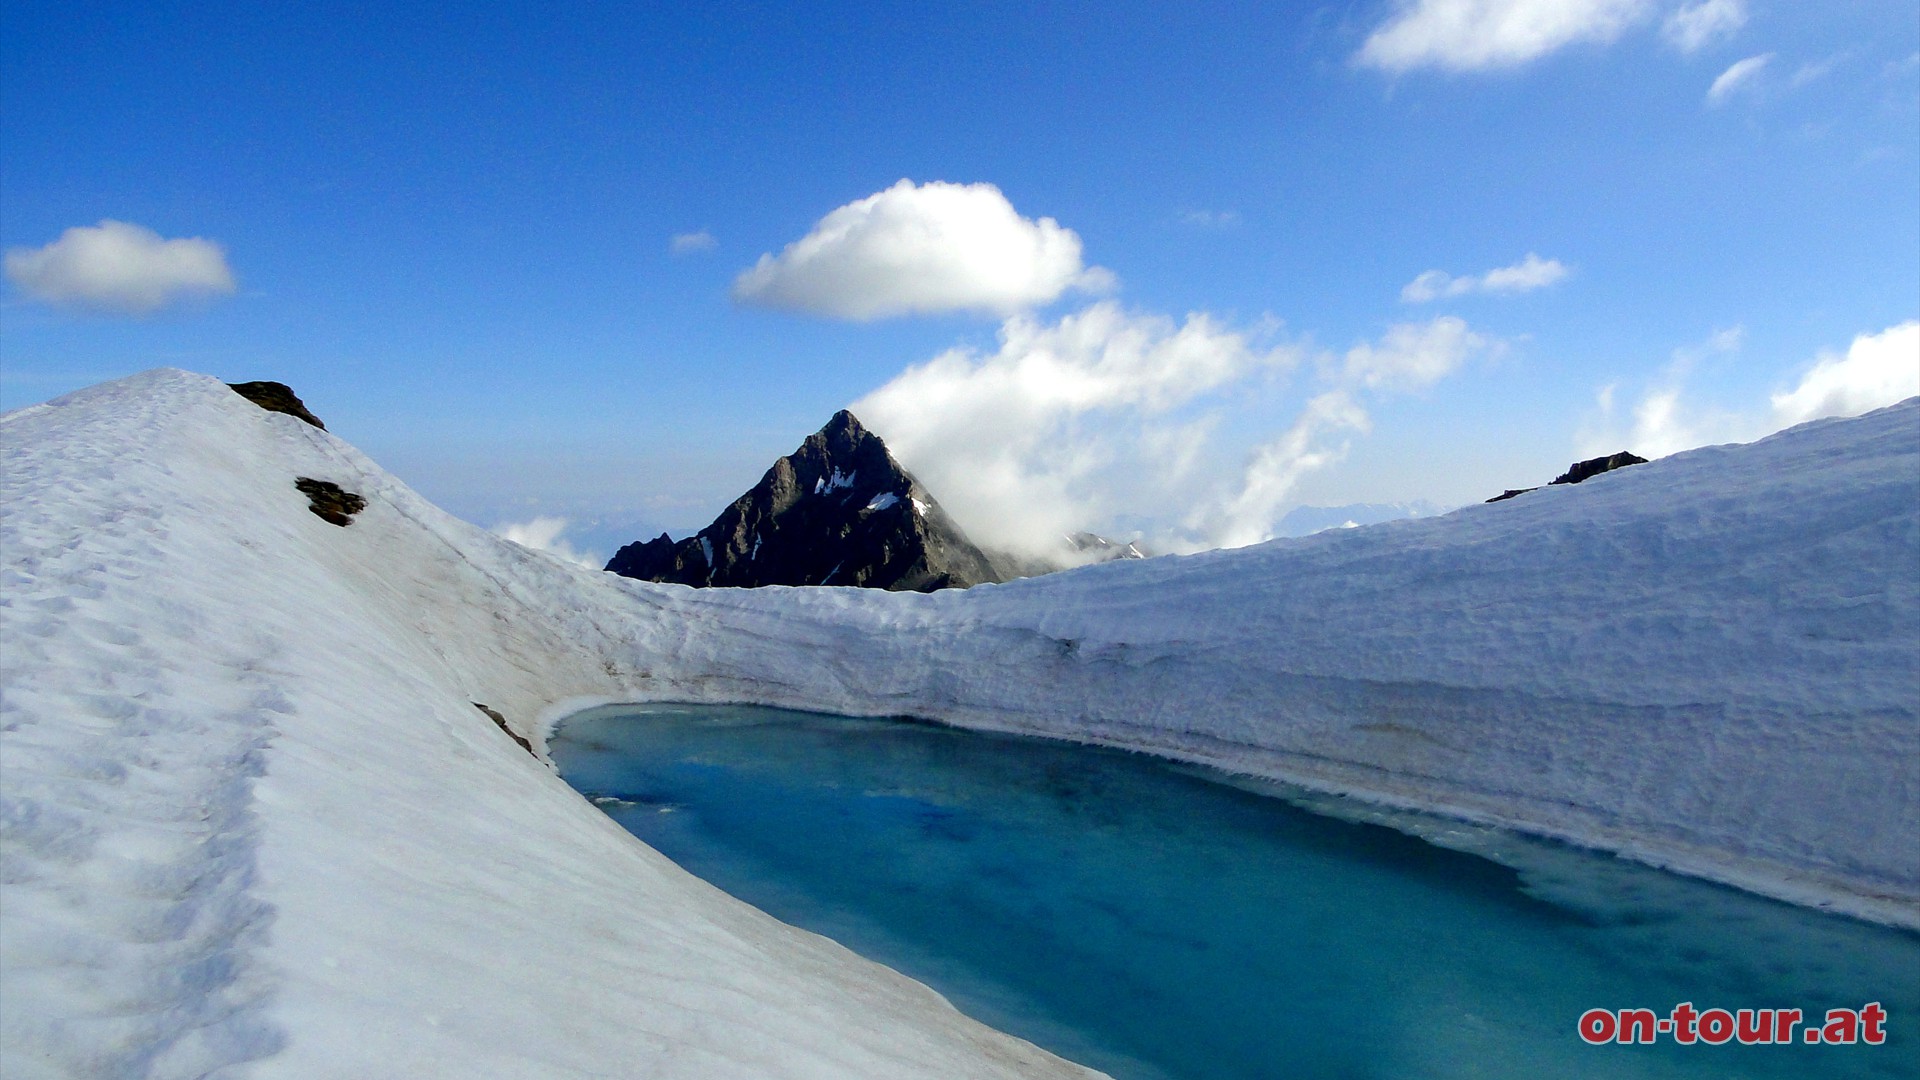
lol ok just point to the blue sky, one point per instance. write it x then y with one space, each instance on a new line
453 233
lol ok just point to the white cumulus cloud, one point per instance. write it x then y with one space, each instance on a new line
1530 273
544 534
1878 369
1412 355
1693 27
120 267
1066 421
923 249
1107 416
1472 35
1741 75
692 242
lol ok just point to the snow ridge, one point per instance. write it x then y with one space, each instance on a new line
123 809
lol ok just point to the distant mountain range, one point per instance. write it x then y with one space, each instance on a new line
1307 520
837 511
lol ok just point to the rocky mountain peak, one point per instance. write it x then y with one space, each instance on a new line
844 425
839 510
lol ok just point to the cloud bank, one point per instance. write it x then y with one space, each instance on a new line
1530 273
120 268
543 534
1248 515
1476 35
1877 370
1106 416
922 249
1065 422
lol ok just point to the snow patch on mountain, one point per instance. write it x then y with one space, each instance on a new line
839 481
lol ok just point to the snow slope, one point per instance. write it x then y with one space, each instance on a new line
252 821
253 824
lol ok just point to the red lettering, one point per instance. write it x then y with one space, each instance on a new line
1843 1026
1873 1019
1636 1025
1756 1026
1596 1026
1716 1026
1683 1017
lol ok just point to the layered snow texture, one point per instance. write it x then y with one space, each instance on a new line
254 825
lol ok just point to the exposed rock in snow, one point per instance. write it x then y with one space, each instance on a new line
1580 470
252 817
276 397
328 501
1592 467
819 517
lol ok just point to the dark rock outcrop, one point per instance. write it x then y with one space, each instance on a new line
1592 467
1580 470
329 501
837 511
276 397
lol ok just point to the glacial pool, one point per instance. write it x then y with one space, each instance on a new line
1158 920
